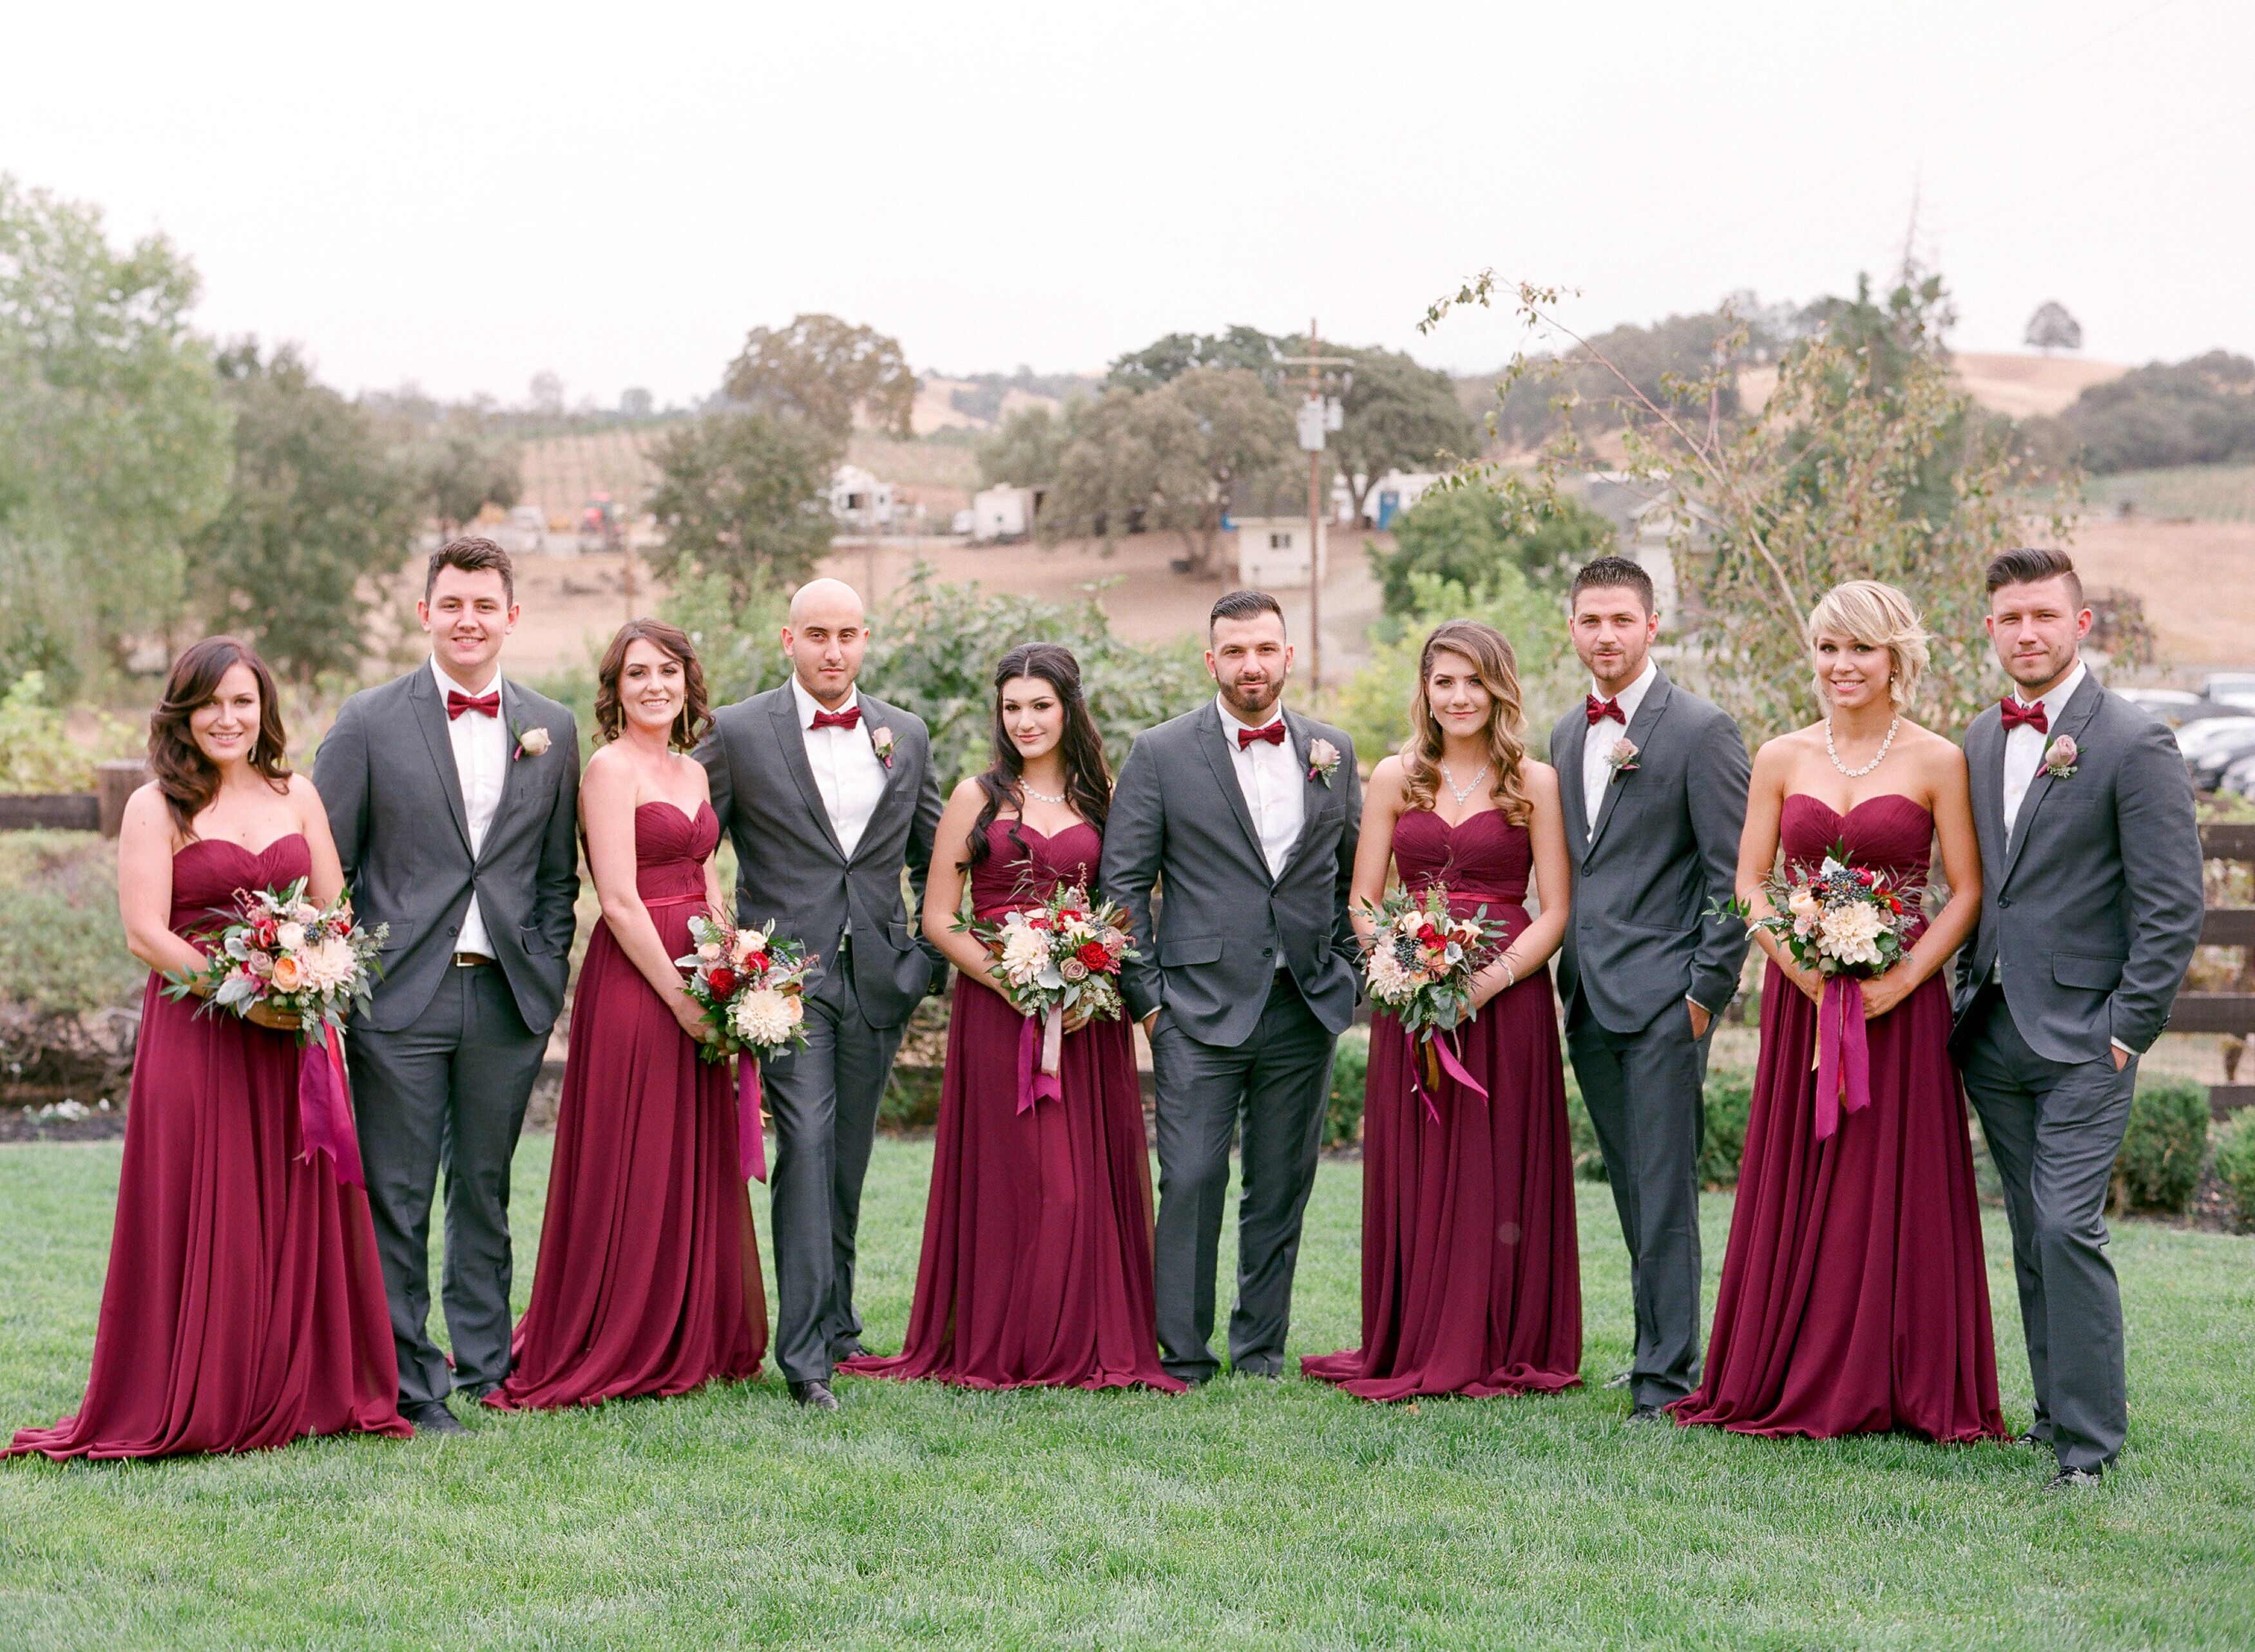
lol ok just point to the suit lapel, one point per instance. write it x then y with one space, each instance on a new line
875 714
1567 759
512 784
1312 790
783 711
1213 740
1985 761
1639 733
431 713
2072 722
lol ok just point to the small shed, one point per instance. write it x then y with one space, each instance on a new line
1001 515
1274 552
858 500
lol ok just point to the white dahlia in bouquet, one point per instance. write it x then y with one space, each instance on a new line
1835 918
1421 958
275 950
1060 956
752 986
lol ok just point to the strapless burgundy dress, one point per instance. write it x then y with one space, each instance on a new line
1855 1298
1036 1265
244 1306
648 1277
1472 1279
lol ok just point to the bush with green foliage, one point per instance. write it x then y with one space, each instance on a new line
1349 1079
37 754
1729 1094
1469 533
2165 1146
2200 411
744 497
2235 1164
63 961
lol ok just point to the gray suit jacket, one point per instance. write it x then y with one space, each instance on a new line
1178 819
1667 842
386 775
2094 901
790 870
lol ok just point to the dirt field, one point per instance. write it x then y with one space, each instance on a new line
2197 579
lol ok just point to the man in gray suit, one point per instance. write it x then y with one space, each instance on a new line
453 795
1654 780
1245 817
2090 903
827 792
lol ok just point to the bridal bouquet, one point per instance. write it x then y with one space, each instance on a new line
1419 965
1060 956
279 951
753 986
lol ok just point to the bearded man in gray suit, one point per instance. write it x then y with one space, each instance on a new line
1654 780
2091 904
454 796
1245 817
827 792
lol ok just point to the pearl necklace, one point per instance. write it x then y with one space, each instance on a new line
1040 796
1857 774
1465 790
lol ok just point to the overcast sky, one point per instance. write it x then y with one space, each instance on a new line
466 197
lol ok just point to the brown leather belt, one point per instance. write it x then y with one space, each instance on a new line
472 961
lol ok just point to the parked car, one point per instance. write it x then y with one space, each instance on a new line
2171 706
2213 745
2232 688
2239 778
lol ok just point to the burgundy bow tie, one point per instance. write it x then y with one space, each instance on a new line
850 718
1601 709
484 705
2015 714
1274 733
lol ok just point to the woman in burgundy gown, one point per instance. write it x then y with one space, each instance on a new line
1036 1265
648 1277
243 1307
1855 1298
1471 1263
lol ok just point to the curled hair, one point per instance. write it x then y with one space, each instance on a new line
696 713
187 779
1087 778
1879 616
1498 670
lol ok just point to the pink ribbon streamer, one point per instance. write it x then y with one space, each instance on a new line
1450 1064
1844 1058
751 1133
1041 1041
325 1119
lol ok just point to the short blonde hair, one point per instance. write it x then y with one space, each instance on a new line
1877 616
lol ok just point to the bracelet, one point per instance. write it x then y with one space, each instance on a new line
1510 976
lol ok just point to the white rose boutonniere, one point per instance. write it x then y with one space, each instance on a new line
1322 760
1622 758
531 742
2061 757
881 742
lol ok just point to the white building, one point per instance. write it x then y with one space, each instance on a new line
1001 514
1394 493
858 500
1273 552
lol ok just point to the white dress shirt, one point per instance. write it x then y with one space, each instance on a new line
846 770
2024 745
1274 783
1596 772
482 746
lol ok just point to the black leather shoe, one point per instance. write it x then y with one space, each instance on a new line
1621 1381
815 1396
476 1393
849 1350
2076 1480
432 1417
1647 1414
2031 1439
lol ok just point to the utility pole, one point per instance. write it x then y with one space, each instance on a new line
1316 417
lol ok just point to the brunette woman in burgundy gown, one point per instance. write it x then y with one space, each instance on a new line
648 1277
1470 1267
244 1306
1036 1266
1855 1298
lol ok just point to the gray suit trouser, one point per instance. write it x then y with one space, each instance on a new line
2054 1129
445 1092
1277 1083
1646 1095
823 1098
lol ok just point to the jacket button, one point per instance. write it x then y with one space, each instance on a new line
2004 900
1267 952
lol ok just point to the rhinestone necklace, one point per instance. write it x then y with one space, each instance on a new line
1039 797
1465 791
1857 774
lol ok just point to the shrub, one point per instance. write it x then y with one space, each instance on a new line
63 962
1589 1157
1349 1079
2160 1164
2235 1164
36 753
1729 1103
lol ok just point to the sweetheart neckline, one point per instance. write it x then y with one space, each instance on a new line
1877 796
1046 837
229 843
668 802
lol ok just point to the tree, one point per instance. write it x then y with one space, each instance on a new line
459 469
547 395
1027 452
1167 458
822 369
2052 328
114 448
1466 533
742 496
635 402
1167 359
1398 415
319 510
2200 411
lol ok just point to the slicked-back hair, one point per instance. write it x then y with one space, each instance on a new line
472 553
1609 573
2028 564
1243 605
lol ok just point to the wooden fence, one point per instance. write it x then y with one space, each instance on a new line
100 809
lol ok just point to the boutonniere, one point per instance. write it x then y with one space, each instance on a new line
1622 758
2060 757
531 742
881 742
1322 760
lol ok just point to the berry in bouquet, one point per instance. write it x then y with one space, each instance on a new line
753 988
1057 956
1418 965
1848 924
310 967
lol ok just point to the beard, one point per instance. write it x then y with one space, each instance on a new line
1255 701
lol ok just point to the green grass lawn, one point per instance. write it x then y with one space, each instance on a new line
1250 1515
